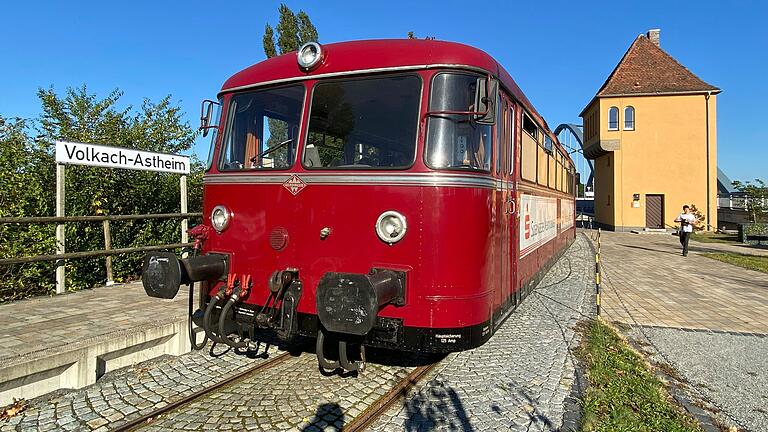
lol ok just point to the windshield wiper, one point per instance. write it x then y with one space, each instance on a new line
270 150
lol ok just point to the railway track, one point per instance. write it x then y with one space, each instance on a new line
388 400
359 423
149 417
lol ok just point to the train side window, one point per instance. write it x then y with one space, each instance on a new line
501 123
528 149
542 166
456 141
511 139
552 172
562 171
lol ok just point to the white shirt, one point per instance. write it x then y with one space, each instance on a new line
690 218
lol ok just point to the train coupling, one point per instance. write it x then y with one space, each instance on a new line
348 305
164 272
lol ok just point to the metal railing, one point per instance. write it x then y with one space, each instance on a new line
740 202
108 251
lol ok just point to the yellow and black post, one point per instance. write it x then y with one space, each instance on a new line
597 273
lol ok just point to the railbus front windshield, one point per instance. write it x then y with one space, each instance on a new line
357 123
263 128
366 123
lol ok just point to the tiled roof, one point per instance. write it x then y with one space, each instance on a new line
647 69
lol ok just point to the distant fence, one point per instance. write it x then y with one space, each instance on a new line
740 202
108 251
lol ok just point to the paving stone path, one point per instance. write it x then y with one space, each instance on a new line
520 380
648 282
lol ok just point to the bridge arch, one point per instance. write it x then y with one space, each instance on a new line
576 132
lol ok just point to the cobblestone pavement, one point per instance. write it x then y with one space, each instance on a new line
728 370
290 396
648 282
522 378
127 393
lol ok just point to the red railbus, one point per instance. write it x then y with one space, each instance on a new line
391 193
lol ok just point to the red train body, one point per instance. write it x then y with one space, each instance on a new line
307 161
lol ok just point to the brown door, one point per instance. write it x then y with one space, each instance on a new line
654 211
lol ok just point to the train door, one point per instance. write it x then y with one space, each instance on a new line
508 199
512 205
500 226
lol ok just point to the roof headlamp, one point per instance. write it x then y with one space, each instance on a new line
310 55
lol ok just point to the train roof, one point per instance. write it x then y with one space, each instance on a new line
379 55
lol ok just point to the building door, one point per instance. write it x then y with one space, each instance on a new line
654 211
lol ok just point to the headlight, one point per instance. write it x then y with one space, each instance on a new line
220 217
391 226
309 55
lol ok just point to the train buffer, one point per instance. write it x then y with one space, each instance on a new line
69 341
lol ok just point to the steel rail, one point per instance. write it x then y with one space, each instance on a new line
395 394
147 419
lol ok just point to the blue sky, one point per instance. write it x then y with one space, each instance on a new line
558 52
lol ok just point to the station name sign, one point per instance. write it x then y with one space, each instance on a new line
119 157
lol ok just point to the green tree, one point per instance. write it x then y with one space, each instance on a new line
307 31
412 35
269 42
26 176
757 195
293 30
78 115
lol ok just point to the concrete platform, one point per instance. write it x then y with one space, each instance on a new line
71 340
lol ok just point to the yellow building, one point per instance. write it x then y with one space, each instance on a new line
652 132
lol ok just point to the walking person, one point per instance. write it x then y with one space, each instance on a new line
687 220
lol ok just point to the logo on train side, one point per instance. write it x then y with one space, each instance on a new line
527 223
294 184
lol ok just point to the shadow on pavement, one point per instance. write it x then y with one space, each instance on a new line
649 249
437 406
329 415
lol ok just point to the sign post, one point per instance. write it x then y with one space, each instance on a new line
60 237
73 153
183 199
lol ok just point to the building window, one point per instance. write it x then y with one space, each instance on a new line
629 118
613 118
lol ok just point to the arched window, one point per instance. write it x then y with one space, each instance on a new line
629 118
613 118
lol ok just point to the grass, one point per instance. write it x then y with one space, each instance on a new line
752 262
710 237
623 395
